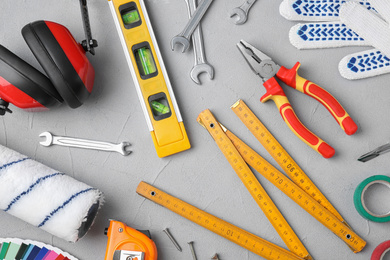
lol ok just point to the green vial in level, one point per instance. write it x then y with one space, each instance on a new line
158 107
131 16
146 59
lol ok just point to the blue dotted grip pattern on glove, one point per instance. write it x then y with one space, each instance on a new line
320 8
327 32
367 62
364 64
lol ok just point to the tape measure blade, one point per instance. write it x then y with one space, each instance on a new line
280 155
220 227
250 181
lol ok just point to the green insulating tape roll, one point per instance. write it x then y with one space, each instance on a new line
147 62
130 17
157 106
360 204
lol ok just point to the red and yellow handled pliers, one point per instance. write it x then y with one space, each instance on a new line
267 69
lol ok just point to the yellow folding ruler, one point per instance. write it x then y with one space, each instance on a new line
220 227
238 154
150 76
280 155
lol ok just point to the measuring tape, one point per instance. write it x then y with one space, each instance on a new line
360 204
150 76
233 233
207 120
273 147
235 151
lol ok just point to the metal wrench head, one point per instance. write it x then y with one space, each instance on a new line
241 15
124 148
180 40
199 69
48 139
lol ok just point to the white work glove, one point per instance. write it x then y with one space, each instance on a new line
337 23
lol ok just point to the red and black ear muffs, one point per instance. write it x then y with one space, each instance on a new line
70 75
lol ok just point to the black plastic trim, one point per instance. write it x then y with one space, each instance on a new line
56 64
28 79
139 46
130 6
158 96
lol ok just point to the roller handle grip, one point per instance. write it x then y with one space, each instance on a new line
276 93
291 78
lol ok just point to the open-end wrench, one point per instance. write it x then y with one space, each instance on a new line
242 12
83 143
201 64
184 37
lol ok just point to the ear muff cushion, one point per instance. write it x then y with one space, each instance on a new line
27 79
55 62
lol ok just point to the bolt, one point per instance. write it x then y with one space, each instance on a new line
166 231
191 244
215 257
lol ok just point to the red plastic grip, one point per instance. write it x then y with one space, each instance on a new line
349 125
326 150
290 116
290 77
302 132
276 93
324 97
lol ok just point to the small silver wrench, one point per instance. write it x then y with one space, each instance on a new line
201 64
184 37
83 143
242 12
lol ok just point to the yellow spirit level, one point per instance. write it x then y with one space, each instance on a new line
150 76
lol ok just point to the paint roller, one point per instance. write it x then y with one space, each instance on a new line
45 197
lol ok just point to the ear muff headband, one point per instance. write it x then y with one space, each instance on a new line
55 62
24 85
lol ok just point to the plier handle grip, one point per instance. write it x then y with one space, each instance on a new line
268 70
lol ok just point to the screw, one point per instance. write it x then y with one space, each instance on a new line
191 244
215 257
166 231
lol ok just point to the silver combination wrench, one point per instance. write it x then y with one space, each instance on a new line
184 37
50 139
242 12
201 64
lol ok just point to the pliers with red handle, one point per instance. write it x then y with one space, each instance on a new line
267 69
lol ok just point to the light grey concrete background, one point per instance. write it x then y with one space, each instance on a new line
201 175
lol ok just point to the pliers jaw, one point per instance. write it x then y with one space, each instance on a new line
261 64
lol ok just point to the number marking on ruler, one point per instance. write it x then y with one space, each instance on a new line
220 227
280 155
298 195
207 120
244 154
304 193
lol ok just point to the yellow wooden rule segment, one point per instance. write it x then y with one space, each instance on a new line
208 121
303 191
298 195
281 156
220 227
